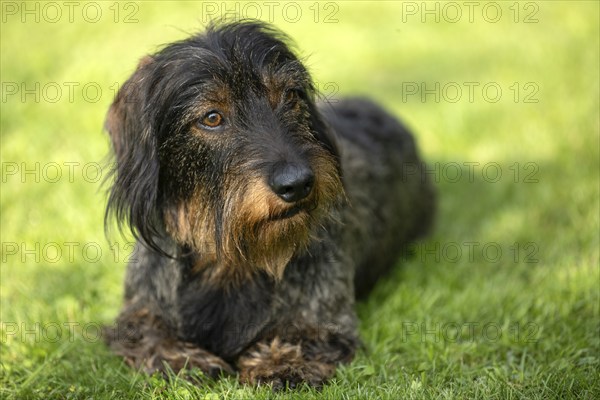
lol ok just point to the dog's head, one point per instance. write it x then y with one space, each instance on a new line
219 146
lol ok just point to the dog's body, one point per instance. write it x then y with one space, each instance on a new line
260 215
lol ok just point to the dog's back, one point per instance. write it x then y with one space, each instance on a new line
390 197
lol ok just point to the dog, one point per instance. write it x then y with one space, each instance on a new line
260 214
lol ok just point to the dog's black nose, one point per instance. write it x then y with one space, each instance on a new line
292 182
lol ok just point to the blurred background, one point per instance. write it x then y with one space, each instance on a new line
503 98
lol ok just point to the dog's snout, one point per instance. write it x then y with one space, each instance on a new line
292 182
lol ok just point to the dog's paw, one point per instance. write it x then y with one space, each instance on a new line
281 365
179 356
145 343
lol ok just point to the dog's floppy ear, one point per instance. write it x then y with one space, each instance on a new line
133 195
122 112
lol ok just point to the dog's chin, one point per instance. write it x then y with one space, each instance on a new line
292 213
287 229
282 236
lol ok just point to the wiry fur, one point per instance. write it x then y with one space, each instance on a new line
227 274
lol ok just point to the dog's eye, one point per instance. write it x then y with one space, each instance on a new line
212 120
293 95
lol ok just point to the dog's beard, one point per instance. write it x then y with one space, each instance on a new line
262 231
253 229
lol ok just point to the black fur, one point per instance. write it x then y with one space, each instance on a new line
179 185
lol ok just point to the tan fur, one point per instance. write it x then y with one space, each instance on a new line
192 224
279 363
255 238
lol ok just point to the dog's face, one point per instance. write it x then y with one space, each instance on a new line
219 146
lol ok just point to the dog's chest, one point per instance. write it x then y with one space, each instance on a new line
223 321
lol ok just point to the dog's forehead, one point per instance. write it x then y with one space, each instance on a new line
238 80
248 58
221 72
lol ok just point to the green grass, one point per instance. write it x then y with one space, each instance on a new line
457 320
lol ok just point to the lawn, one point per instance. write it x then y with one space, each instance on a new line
501 302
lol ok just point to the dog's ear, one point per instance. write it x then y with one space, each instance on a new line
124 118
133 195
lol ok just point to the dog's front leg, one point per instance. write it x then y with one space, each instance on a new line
145 342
